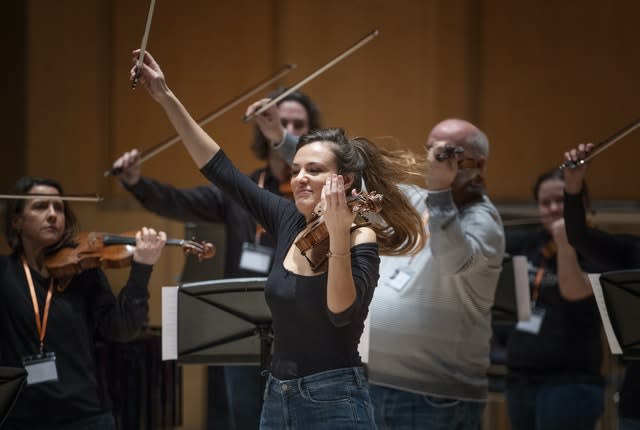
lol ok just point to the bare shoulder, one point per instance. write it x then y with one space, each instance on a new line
363 235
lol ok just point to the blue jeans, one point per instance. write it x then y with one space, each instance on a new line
628 424
243 396
397 409
554 406
333 400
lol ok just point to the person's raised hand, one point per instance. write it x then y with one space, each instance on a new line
129 167
150 75
574 176
268 121
440 174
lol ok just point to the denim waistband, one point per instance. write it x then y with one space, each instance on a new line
356 374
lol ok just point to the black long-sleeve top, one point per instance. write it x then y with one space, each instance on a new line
86 310
608 251
567 348
208 203
611 252
308 337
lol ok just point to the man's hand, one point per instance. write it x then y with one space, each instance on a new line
440 174
131 170
268 121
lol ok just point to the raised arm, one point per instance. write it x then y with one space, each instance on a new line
270 125
341 288
201 203
573 283
200 145
459 244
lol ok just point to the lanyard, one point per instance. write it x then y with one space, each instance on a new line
41 326
536 284
548 252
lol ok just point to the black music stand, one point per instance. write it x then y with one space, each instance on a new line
621 292
224 322
504 307
504 316
12 381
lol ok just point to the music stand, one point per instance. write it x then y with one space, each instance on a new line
12 381
621 292
504 305
224 322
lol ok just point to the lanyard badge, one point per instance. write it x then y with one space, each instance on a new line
40 367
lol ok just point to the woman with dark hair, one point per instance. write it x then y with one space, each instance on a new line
554 358
316 377
294 115
611 252
50 327
234 391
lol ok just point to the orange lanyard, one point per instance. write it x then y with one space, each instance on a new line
536 284
41 326
548 251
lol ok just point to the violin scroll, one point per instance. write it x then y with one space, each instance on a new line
202 250
365 203
449 152
361 204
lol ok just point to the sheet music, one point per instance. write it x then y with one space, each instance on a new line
521 282
614 344
169 323
363 346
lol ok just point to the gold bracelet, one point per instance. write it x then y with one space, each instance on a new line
333 254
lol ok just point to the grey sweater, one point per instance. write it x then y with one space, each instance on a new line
431 313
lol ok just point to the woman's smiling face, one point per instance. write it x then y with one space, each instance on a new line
312 164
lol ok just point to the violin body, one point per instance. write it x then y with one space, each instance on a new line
314 244
314 240
88 252
107 251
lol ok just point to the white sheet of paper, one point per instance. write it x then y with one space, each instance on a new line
169 323
363 346
614 344
521 281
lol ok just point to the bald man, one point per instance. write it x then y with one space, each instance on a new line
431 313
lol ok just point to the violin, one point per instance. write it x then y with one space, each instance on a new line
314 241
108 251
451 151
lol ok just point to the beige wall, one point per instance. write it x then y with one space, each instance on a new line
537 76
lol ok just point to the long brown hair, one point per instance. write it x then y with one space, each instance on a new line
402 230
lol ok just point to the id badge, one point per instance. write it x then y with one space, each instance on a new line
533 324
41 368
400 278
256 258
